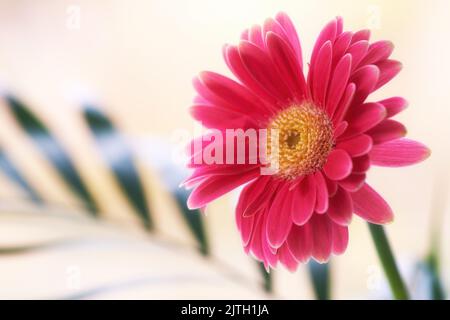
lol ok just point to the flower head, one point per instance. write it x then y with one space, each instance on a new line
327 136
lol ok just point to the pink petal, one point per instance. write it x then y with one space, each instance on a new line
300 242
279 220
198 99
361 35
363 117
255 192
338 83
234 62
339 25
341 45
344 104
229 94
341 208
220 118
284 29
394 105
361 164
332 187
321 193
340 238
327 34
259 200
207 171
353 182
304 200
216 186
365 79
271 25
292 35
370 206
245 35
255 36
270 257
388 70
338 165
287 258
263 70
399 153
358 51
238 211
285 61
322 237
378 51
340 129
192 182
255 244
386 131
356 146
321 73
245 224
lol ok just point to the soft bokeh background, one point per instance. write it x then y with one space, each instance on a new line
137 59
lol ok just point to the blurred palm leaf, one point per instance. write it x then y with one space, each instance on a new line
193 219
432 265
118 155
158 153
156 267
12 173
52 150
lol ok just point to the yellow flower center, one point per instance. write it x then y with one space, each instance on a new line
305 138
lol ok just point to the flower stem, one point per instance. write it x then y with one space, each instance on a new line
320 278
388 262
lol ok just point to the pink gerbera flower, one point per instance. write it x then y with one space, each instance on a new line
329 136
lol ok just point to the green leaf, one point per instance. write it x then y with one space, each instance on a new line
320 278
118 155
14 175
52 150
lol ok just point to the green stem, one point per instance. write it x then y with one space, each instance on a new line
437 289
267 278
321 279
388 261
